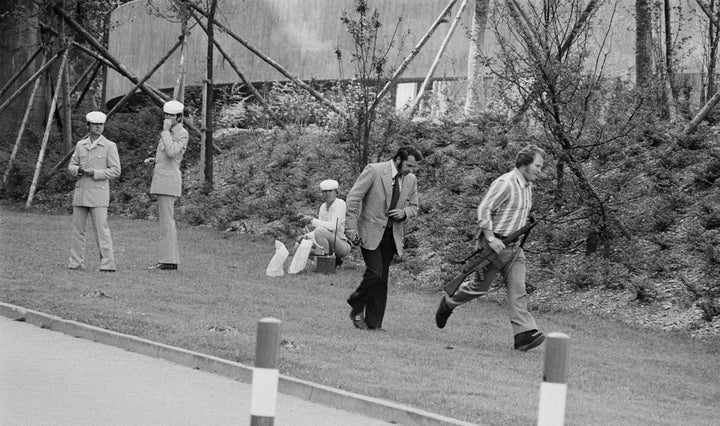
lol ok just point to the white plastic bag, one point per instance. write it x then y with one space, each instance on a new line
275 267
300 258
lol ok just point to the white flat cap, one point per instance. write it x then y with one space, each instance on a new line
95 117
328 185
173 107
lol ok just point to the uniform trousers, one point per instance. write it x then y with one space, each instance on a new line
331 242
371 295
98 215
168 233
511 263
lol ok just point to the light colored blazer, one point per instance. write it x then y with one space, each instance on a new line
368 203
94 190
167 179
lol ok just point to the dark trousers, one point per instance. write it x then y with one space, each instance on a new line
371 295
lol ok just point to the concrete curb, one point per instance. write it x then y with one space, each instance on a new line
319 394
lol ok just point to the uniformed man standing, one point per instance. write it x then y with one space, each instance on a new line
167 181
94 162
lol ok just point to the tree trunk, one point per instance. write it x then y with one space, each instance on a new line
209 111
475 97
643 44
671 91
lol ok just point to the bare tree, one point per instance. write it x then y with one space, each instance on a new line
476 60
545 56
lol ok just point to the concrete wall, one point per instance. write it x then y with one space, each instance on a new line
301 35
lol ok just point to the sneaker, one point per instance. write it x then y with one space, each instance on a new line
528 339
442 314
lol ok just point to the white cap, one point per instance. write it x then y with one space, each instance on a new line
95 117
328 185
173 107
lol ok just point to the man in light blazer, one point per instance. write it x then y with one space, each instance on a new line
94 162
383 197
167 181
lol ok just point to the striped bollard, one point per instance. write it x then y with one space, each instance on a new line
553 389
264 389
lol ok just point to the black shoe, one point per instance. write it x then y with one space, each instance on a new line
442 314
107 270
358 320
377 329
528 339
165 266
338 262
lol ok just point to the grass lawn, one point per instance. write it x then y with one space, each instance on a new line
617 374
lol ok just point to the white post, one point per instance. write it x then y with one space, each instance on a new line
264 389
553 389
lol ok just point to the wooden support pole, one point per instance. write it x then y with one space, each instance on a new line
117 65
21 132
67 109
436 61
111 61
24 86
19 72
96 63
412 55
244 79
273 64
46 136
80 98
179 92
142 81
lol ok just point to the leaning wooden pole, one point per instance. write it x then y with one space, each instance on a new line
48 126
80 98
122 69
179 92
19 72
436 61
25 85
142 81
412 55
67 109
83 75
21 132
244 79
273 64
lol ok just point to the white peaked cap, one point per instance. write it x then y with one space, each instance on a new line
173 107
328 185
95 117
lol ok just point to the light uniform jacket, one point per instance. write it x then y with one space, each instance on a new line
167 179
94 190
368 203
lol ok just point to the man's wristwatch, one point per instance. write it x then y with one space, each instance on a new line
491 239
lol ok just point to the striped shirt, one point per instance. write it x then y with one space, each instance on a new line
506 205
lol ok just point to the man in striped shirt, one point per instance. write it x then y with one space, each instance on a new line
504 210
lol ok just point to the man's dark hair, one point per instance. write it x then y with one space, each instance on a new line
407 151
527 155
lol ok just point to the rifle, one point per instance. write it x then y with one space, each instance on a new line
477 260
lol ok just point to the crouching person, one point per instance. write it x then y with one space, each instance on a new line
329 226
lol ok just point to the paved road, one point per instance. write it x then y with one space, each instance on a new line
49 378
